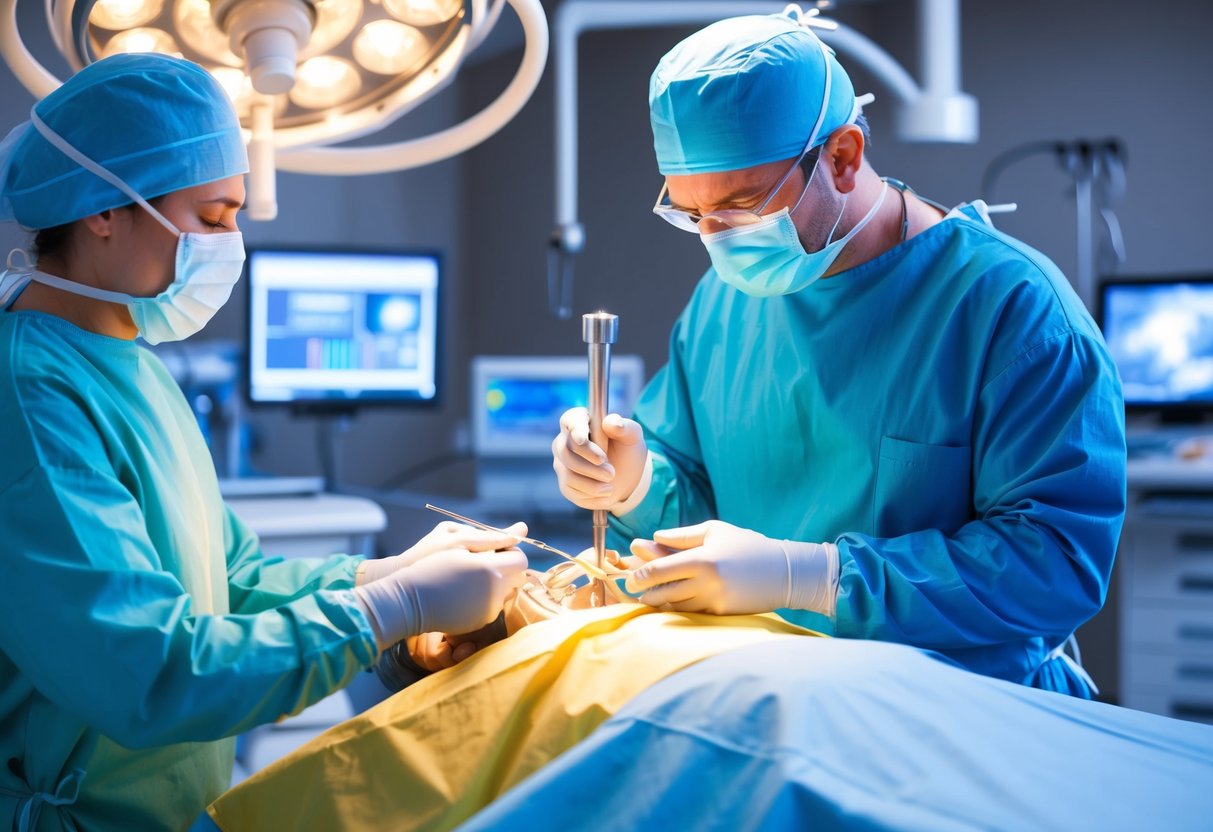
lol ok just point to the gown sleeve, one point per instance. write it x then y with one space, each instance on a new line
257 583
1048 503
680 493
96 624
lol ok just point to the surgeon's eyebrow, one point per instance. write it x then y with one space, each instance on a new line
735 198
225 201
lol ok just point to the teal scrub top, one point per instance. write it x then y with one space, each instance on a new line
140 624
946 413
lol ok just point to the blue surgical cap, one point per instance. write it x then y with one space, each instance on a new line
158 123
743 92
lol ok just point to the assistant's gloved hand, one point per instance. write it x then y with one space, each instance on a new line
719 568
453 591
590 478
446 535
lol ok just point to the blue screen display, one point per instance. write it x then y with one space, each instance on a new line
1161 337
333 326
528 407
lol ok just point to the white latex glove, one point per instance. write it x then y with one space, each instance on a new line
453 591
719 568
446 535
589 477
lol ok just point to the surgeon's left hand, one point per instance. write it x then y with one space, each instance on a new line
446 535
718 568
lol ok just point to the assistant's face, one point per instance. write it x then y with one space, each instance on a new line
150 249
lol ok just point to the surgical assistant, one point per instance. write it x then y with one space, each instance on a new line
141 627
879 418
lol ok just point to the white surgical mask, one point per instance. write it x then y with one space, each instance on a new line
206 270
766 258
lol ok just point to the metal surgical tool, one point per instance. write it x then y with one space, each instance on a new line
599 330
594 572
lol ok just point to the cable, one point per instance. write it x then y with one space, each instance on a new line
1009 157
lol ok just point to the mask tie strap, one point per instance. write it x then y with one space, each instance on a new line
15 277
92 167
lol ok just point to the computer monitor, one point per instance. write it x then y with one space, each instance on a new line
337 329
1160 334
517 401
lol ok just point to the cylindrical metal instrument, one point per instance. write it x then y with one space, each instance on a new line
599 330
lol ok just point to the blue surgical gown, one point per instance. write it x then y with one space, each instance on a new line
946 413
139 622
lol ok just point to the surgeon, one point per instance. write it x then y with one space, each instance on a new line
141 628
879 417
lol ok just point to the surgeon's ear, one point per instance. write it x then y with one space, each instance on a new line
101 224
843 154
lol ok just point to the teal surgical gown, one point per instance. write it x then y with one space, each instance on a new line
946 413
140 624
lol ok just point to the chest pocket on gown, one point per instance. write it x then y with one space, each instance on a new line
921 486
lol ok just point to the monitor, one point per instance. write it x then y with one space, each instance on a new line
517 401
1160 334
342 328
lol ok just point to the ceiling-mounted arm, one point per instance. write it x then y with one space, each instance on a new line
33 76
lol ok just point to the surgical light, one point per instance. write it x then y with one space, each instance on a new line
324 82
124 14
143 39
388 47
304 75
422 12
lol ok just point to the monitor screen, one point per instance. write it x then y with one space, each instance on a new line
517 401
342 327
1160 334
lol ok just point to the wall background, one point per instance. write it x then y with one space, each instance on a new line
1041 70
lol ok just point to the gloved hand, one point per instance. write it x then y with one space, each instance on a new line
590 478
719 568
446 535
453 591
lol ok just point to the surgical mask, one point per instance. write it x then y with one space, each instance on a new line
207 268
766 258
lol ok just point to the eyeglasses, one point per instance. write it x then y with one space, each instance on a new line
727 218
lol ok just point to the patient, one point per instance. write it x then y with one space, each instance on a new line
446 746
724 722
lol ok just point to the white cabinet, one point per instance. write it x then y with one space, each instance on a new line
1166 613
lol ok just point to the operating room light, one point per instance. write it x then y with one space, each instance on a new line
335 19
422 12
192 20
144 39
325 81
304 75
125 14
387 47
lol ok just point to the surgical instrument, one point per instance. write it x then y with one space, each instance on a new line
599 330
593 571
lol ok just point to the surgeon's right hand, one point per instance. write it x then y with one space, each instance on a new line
446 535
590 478
454 591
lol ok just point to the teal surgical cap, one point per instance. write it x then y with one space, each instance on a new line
744 92
158 123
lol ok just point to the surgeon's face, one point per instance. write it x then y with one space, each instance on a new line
748 188
150 249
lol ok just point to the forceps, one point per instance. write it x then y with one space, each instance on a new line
590 569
